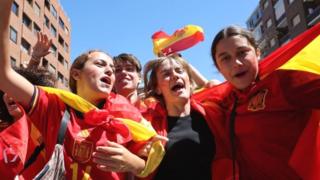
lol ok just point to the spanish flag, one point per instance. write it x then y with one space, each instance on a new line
300 54
181 39
126 118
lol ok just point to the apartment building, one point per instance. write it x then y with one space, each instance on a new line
31 16
276 22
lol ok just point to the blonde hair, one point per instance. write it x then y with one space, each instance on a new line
150 74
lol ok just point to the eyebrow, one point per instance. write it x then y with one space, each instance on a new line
222 54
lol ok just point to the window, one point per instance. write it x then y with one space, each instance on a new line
66 65
45 63
53 31
290 1
36 28
279 9
272 42
26 21
265 4
29 2
52 69
47 4
257 32
53 49
13 62
60 77
66 82
25 46
295 20
61 41
61 23
47 21
36 9
269 23
60 58
66 47
66 30
53 11
15 8
13 35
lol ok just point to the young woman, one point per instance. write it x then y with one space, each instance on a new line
128 77
92 78
265 115
191 146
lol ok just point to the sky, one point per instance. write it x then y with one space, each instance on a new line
126 26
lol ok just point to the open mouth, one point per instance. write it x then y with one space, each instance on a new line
11 103
106 80
178 86
240 74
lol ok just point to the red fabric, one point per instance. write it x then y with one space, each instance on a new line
115 130
303 155
81 137
287 51
179 45
183 43
13 148
267 135
160 35
305 158
18 138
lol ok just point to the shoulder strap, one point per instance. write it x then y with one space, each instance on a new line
63 126
233 136
62 131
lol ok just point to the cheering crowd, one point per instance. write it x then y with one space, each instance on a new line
250 127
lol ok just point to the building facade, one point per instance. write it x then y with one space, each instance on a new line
276 22
31 16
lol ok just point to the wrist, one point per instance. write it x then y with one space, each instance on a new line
35 57
139 166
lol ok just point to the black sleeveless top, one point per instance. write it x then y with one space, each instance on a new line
189 151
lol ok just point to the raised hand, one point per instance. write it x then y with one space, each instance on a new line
40 49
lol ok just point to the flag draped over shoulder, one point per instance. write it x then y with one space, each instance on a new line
300 54
181 39
139 130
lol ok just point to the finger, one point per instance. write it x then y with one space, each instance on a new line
42 38
109 150
38 36
108 168
48 52
109 164
45 39
49 43
160 138
113 144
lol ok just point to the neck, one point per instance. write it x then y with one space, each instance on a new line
93 100
179 109
132 96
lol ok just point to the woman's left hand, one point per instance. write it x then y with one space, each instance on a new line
117 158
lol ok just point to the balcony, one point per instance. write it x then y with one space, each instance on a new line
314 16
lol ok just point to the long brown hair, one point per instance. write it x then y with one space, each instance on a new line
79 63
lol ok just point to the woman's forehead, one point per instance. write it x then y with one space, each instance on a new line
170 63
100 55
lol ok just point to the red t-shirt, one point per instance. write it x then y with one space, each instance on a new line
81 138
270 117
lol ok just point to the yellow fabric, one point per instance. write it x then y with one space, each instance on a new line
73 100
307 59
162 43
155 156
139 131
